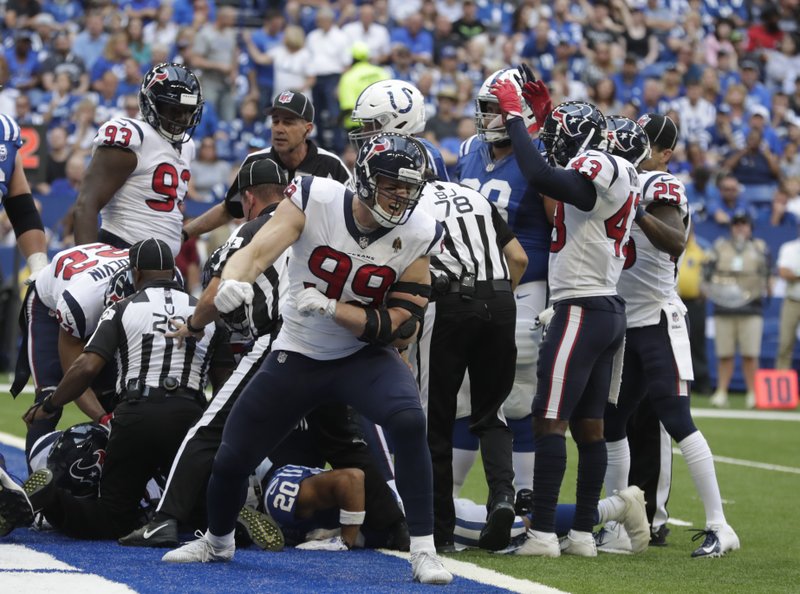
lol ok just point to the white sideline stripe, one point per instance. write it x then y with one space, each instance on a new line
20 558
678 522
32 582
12 440
486 576
700 413
750 463
749 415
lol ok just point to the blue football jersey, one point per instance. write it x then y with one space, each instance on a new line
10 141
519 203
435 158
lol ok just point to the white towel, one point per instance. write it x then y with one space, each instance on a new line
679 339
616 374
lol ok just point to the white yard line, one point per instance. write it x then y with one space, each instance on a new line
751 464
487 576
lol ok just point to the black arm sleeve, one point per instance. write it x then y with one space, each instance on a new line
504 232
560 184
109 334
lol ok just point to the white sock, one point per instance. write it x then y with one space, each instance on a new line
701 466
619 465
462 462
220 542
523 469
610 509
422 543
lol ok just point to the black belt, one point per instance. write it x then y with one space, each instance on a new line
156 394
483 289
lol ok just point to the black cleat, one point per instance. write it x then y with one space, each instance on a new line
15 508
496 534
399 539
260 529
153 534
658 537
524 502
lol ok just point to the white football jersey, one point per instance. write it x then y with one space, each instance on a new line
587 248
344 263
649 277
148 203
96 261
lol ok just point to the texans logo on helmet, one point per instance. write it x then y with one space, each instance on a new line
88 474
158 76
285 97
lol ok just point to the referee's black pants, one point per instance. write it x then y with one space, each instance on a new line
475 335
145 435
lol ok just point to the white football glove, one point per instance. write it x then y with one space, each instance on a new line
36 262
332 544
231 294
311 302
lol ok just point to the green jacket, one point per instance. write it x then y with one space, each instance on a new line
353 81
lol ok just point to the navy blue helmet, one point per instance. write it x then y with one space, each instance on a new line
171 101
571 128
396 157
77 458
120 285
625 138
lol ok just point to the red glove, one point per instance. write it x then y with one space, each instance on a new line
508 98
538 97
106 419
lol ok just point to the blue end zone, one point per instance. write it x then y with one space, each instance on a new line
251 570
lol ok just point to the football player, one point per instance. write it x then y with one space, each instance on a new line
598 194
63 306
358 283
394 106
486 164
16 198
657 362
140 169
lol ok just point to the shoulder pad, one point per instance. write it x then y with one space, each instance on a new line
9 131
121 133
596 166
466 146
661 187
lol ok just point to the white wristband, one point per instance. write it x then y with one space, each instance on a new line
37 261
351 518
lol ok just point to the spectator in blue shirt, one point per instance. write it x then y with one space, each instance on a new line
757 92
23 63
184 11
498 13
63 11
730 201
258 43
755 166
628 81
113 58
415 38
90 43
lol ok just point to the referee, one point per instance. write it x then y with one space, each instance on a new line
292 122
261 184
161 394
469 326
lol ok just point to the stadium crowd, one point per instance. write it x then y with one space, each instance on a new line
719 83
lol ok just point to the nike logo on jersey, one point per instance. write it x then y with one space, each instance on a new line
521 297
148 533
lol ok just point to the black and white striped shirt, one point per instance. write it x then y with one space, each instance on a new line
134 331
475 232
269 288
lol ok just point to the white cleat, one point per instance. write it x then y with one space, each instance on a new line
719 399
613 538
719 539
427 568
580 544
199 551
540 544
634 518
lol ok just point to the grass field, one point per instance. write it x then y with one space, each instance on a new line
760 503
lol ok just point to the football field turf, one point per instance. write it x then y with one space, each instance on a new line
758 467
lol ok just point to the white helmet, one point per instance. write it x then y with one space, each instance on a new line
388 106
489 124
